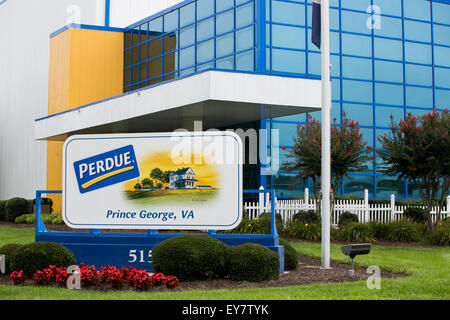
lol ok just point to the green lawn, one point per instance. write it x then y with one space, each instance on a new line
179 196
427 267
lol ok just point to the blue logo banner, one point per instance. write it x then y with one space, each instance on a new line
106 169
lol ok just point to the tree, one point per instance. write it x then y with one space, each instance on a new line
349 152
137 186
156 174
146 182
417 148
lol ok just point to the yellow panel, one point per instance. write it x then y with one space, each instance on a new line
85 66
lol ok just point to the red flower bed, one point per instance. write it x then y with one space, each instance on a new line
17 277
89 276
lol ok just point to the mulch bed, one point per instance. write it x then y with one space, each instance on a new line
308 272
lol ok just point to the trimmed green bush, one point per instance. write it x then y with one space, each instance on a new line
47 218
308 217
16 207
8 250
355 232
259 225
290 256
415 214
254 262
403 231
347 217
39 255
2 210
192 257
305 231
440 238
380 231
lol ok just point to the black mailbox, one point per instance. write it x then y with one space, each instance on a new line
352 250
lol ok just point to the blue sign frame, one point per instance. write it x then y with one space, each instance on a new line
134 249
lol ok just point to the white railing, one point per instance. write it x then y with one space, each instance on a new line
366 212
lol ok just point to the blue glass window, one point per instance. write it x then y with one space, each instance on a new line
360 5
288 61
357 68
205 51
187 57
171 21
225 45
288 37
245 61
442 34
187 36
288 13
244 39
442 56
419 53
388 49
244 15
382 115
442 98
442 77
205 8
355 21
222 5
388 71
417 9
359 113
418 31
441 12
355 185
419 75
205 29
225 22
357 91
419 97
390 27
390 7
187 14
226 63
389 94
356 45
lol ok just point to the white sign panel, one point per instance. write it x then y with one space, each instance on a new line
182 180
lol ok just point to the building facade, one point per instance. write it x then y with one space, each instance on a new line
232 64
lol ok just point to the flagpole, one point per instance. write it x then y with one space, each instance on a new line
326 137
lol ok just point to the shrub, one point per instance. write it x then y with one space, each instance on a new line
42 277
380 231
260 225
141 280
105 272
17 277
61 276
158 279
440 237
355 232
347 217
290 256
402 231
192 257
2 210
8 250
46 218
115 279
39 255
16 207
415 214
305 231
89 276
253 262
309 217
171 282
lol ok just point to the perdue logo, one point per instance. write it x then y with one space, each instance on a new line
106 169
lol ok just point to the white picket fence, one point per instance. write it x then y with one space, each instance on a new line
366 212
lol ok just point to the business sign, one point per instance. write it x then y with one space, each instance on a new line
181 180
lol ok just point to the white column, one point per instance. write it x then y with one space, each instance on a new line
326 123
392 207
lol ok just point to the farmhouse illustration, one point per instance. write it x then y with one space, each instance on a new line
183 179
